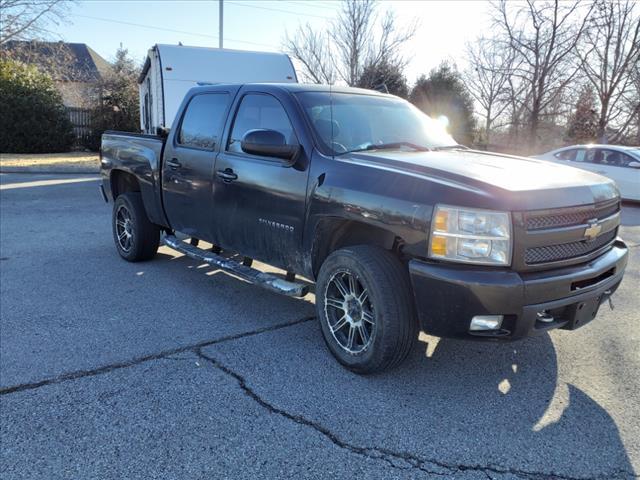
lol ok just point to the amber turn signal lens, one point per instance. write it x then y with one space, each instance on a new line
441 220
438 245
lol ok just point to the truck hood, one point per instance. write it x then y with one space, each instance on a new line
519 175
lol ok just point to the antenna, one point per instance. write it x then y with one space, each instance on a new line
220 22
331 113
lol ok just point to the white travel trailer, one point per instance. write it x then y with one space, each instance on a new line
171 70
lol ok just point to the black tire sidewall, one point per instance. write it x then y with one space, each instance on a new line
132 201
381 290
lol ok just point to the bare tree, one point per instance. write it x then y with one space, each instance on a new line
611 48
355 41
487 78
631 109
543 35
351 34
311 49
29 19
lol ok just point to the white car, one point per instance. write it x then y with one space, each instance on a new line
621 164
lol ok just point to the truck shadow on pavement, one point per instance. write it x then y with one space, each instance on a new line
454 406
491 408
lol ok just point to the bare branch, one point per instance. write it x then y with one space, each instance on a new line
30 19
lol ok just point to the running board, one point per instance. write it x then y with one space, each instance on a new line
265 280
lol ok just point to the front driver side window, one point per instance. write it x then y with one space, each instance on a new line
616 159
260 111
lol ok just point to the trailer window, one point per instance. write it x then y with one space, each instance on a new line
203 120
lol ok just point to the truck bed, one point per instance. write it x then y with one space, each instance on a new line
140 155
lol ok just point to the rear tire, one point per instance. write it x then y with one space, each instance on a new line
136 238
364 303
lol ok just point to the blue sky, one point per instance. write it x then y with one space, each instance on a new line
261 25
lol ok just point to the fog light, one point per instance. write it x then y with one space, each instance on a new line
486 322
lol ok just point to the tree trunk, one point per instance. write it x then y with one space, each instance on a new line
601 134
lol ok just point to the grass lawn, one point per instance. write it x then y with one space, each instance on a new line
53 162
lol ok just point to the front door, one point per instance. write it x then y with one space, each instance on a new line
260 203
189 159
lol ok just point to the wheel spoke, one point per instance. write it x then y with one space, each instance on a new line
352 285
364 335
120 223
364 296
352 331
341 287
367 317
339 324
122 235
335 303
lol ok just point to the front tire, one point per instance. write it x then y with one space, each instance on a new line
365 307
136 238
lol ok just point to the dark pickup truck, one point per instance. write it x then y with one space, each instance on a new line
400 228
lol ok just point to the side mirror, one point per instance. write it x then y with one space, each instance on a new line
269 143
634 164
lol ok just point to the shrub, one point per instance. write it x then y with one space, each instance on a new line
32 116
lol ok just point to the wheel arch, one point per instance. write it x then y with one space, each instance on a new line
333 233
122 181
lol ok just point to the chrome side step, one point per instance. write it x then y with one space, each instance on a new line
265 280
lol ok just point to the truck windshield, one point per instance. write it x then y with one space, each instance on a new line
346 122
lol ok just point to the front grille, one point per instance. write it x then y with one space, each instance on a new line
565 251
557 236
566 217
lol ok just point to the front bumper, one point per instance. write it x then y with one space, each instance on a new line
448 296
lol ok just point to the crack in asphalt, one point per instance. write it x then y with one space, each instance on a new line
405 461
164 354
398 460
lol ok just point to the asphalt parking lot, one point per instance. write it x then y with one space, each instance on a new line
171 369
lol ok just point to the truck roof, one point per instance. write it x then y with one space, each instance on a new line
296 88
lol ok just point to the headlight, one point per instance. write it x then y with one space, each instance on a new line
470 236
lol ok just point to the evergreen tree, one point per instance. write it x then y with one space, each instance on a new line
443 93
119 107
384 77
583 124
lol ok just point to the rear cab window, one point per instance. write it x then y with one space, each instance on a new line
203 120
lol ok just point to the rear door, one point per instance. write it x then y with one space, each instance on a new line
260 203
188 163
615 165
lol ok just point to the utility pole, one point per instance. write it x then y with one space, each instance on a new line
220 17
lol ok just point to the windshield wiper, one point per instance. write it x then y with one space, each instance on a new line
457 146
390 146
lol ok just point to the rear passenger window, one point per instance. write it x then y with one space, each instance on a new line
566 154
260 111
203 120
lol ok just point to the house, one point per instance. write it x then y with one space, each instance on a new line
76 69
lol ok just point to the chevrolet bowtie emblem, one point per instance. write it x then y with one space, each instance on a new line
592 230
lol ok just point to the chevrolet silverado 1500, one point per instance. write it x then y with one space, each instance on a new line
400 228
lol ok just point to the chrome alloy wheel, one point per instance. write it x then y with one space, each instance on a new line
349 313
124 228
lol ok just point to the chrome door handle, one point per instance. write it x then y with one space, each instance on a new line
174 163
227 175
